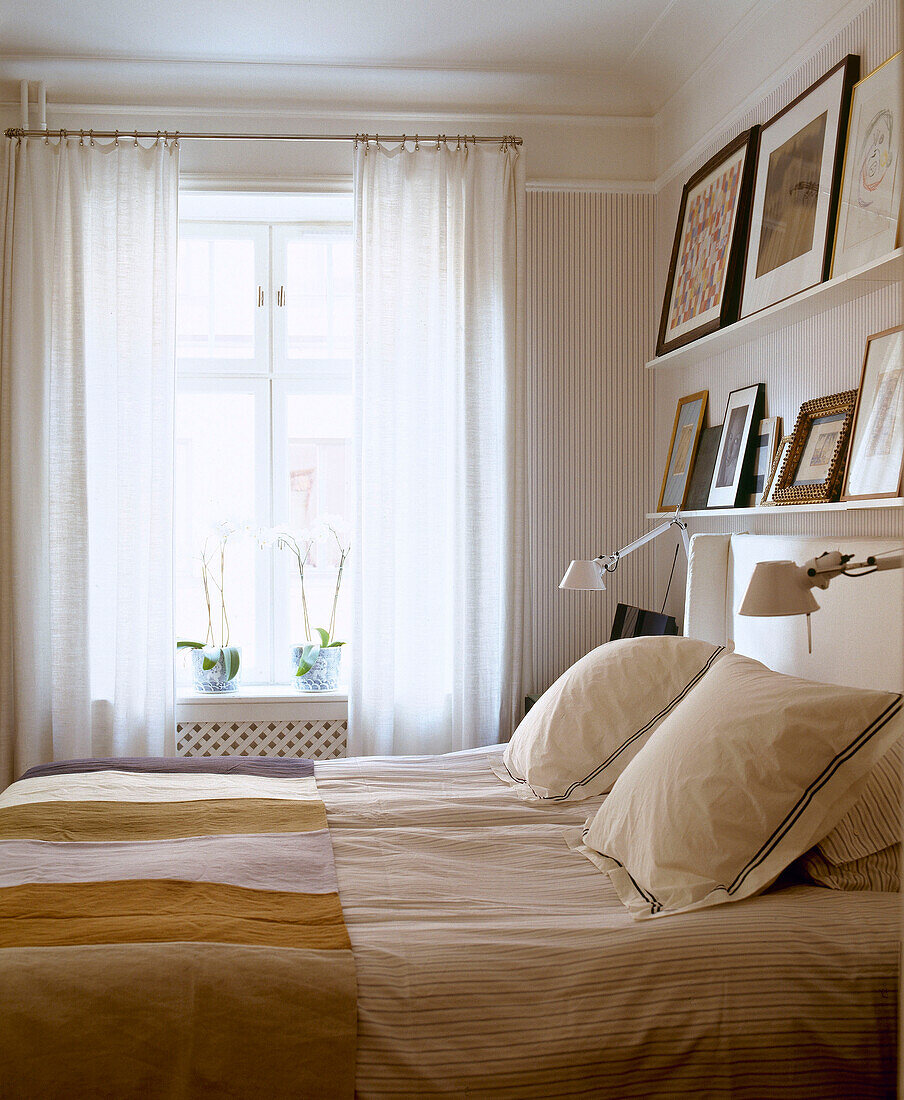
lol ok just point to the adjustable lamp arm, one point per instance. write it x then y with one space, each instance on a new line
609 562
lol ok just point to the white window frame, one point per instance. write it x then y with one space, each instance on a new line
260 235
272 376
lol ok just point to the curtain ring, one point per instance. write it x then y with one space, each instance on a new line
136 139
116 138
81 137
417 143
91 135
157 140
404 139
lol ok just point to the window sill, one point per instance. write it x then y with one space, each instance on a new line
258 693
257 703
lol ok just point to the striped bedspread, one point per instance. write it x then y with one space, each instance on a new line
172 928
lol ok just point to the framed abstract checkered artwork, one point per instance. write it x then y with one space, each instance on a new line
703 284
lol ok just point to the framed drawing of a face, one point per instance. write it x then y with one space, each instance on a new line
870 202
877 436
733 470
701 292
798 172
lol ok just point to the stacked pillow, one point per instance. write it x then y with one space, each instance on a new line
582 733
863 851
720 773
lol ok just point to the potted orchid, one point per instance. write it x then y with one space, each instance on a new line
215 663
317 660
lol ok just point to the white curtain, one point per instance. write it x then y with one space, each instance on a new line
440 601
88 235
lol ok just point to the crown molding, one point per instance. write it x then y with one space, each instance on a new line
778 75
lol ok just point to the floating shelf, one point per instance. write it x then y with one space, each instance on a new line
808 303
779 509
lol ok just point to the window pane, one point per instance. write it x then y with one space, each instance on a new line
216 480
217 299
319 292
318 470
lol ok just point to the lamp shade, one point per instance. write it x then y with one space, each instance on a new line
778 588
586 575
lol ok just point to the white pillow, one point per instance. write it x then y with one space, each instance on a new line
580 735
747 773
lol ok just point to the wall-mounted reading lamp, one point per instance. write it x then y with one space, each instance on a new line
784 588
588 575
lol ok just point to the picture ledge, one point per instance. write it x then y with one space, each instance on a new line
808 303
779 509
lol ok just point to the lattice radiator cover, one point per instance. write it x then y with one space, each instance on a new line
318 739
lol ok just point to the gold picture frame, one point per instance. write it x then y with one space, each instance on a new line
814 464
780 451
682 451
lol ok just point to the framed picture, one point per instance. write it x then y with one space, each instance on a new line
702 473
780 452
877 436
870 201
701 288
795 193
634 622
682 451
811 472
765 442
731 476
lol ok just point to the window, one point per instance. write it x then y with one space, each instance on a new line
263 410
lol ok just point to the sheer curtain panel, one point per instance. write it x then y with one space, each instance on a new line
88 235
439 639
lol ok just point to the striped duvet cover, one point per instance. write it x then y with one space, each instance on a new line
172 928
490 960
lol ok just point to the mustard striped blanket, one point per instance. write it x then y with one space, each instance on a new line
172 928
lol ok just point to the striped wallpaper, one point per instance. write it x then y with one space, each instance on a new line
590 411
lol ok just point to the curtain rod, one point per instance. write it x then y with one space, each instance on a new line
18 132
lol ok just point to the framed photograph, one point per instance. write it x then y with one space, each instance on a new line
702 473
765 442
870 201
795 192
701 288
780 452
682 451
733 469
634 622
811 472
877 436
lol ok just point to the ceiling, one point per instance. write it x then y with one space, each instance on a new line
624 57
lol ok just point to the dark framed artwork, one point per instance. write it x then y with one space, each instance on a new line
795 193
682 451
876 453
765 442
702 473
813 466
870 202
701 288
634 622
733 470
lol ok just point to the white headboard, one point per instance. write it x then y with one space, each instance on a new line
858 633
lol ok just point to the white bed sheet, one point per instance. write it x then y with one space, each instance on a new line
494 961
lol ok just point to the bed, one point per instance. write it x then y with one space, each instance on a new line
489 958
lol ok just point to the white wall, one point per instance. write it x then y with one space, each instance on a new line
811 359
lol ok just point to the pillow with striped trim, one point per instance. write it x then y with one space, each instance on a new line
746 774
580 735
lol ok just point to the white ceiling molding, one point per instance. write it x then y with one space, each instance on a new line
731 107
